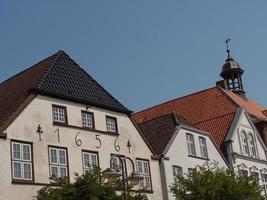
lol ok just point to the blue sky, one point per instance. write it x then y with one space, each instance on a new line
145 51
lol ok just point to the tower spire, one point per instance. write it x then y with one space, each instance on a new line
232 74
227 47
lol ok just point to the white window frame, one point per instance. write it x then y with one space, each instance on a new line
244 143
176 171
58 165
264 182
251 145
86 168
87 119
190 144
59 114
111 124
203 147
21 161
143 168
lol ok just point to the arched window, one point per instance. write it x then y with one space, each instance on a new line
230 84
244 143
251 144
236 84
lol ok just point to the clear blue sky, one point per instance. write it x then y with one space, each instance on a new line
142 51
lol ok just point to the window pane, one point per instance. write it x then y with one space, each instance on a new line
27 171
53 156
16 151
86 159
53 171
26 152
94 159
17 170
63 172
62 157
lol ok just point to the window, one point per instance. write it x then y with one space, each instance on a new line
89 159
59 114
88 119
58 162
190 144
203 147
142 167
255 175
251 144
244 143
177 171
111 124
22 161
264 180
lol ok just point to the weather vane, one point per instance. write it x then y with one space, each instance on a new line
227 46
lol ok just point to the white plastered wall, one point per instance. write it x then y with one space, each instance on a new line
241 161
39 111
178 155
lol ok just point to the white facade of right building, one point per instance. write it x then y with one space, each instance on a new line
246 150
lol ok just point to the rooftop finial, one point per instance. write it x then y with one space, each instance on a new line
227 46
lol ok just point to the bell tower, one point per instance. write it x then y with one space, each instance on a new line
232 74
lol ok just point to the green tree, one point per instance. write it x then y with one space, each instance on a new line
90 186
209 182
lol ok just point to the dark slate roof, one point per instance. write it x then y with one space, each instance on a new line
160 130
56 76
66 79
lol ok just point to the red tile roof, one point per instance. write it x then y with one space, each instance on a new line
251 106
211 110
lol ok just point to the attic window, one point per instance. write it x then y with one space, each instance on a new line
111 123
59 114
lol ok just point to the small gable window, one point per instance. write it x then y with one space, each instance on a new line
203 147
190 144
251 144
111 123
88 119
244 143
59 114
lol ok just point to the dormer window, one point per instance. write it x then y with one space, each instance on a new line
111 123
59 114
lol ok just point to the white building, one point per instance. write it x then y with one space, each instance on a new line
180 146
245 148
56 119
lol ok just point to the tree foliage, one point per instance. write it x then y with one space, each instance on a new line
209 182
90 186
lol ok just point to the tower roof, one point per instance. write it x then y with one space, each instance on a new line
230 66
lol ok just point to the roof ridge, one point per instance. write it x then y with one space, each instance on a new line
161 116
174 100
51 64
225 94
214 118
